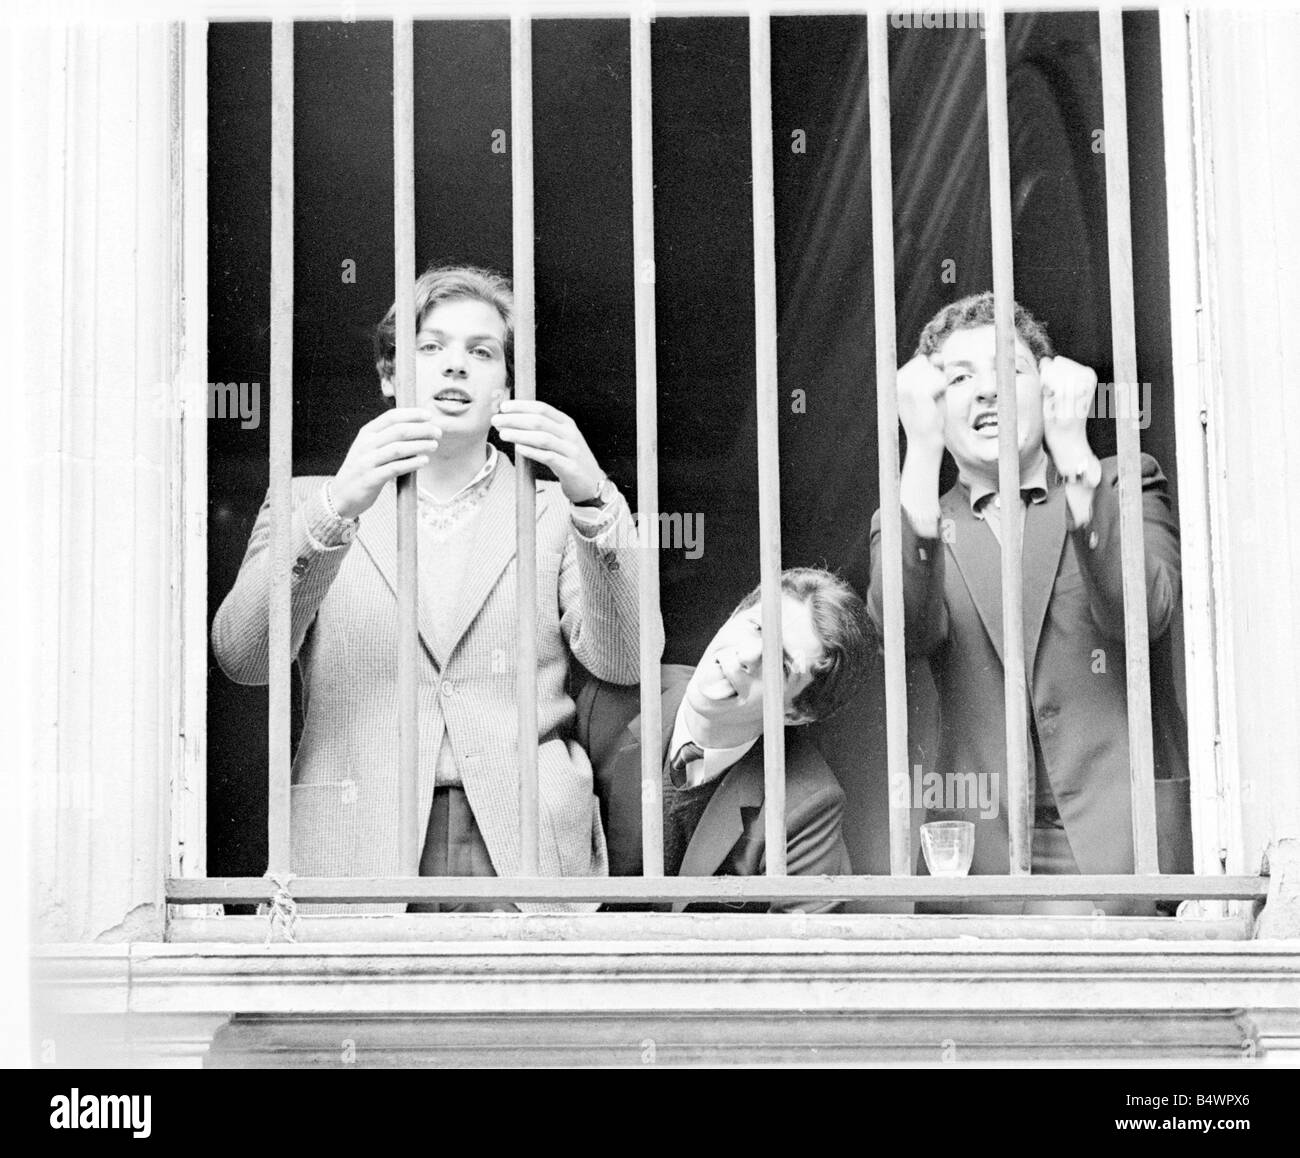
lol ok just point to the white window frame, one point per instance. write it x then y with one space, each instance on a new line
113 989
1215 778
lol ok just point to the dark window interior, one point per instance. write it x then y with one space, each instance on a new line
704 280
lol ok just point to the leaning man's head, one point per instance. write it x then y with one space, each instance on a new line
961 341
827 648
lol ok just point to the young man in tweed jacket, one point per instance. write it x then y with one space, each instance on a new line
344 612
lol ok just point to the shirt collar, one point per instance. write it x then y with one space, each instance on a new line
716 760
488 467
1033 485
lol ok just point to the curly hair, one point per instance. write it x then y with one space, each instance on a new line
977 310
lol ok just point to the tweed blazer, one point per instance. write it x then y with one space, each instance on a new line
344 639
1074 660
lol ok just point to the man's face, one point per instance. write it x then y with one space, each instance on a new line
460 367
724 698
970 428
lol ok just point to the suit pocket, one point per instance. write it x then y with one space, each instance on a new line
323 822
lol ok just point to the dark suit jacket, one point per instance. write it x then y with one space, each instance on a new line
1074 657
729 839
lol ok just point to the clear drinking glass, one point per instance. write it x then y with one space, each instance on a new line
948 846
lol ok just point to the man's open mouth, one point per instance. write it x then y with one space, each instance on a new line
986 422
452 400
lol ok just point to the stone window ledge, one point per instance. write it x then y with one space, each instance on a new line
675 999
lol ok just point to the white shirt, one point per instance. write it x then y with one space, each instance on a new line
985 501
716 760
489 465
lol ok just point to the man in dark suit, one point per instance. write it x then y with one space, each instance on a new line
1073 604
712 746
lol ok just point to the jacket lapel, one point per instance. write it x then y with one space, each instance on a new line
494 547
981 568
377 533
723 823
1044 540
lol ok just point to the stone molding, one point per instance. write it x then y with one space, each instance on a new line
778 1000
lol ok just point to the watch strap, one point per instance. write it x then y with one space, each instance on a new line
604 495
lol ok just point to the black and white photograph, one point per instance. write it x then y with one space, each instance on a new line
703 534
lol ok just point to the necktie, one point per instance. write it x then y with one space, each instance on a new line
686 754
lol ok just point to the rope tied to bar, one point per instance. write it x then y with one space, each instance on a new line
283 911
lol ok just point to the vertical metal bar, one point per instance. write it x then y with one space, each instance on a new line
281 465
521 174
408 643
887 433
1124 347
1020 816
647 443
891 533
769 462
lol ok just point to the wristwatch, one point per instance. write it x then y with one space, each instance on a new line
605 492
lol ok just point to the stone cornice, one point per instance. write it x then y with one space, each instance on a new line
665 975
778 1000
